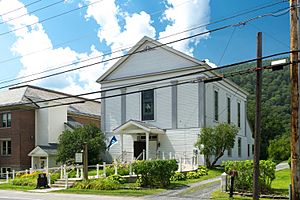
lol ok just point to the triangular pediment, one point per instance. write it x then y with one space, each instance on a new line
38 151
149 57
134 126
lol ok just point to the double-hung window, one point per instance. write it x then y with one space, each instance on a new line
240 147
6 120
239 114
216 105
228 110
147 105
5 147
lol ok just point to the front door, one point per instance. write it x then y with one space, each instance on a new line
138 147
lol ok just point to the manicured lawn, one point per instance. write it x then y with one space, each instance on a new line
279 185
9 186
120 192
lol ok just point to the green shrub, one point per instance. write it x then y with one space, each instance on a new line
178 176
156 173
279 148
118 178
123 169
244 179
24 181
98 184
192 175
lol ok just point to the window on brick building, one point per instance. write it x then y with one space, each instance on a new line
5 147
3 171
6 120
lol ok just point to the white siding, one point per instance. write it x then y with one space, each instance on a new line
133 106
57 118
156 60
187 104
163 105
112 112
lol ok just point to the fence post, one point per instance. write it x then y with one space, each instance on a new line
30 170
77 171
26 171
180 164
144 154
97 169
49 179
104 169
116 168
66 176
130 168
163 155
61 172
81 173
65 170
7 176
170 155
13 174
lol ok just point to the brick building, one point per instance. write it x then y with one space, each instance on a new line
30 125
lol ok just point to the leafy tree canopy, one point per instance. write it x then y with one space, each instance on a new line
279 148
71 142
213 141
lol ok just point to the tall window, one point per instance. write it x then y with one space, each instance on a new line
216 98
240 147
228 110
248 150
148 105
6 147
229 152
6 119
239 114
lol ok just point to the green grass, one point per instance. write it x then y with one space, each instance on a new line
279 185
212 173
119 192
9 186
282 182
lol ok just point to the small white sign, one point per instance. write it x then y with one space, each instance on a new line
78 157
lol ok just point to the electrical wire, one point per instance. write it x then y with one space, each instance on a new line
122 49
203 71
242 23
25 6
34 11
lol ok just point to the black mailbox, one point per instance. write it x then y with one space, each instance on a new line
42 181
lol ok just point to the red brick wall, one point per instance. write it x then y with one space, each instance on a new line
21 133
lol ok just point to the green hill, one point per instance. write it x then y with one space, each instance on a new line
275 100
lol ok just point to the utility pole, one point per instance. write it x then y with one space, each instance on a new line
85 161
257 118
295 159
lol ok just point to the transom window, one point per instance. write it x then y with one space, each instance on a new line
6 119
147 105
5 147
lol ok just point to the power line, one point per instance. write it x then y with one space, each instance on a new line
165 79
242 72
49 18
136 52
27 5
122 49
227 45
39 9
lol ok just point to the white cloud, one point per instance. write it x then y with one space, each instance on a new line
33 39
213 65
182 15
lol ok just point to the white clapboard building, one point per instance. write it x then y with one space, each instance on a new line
164 118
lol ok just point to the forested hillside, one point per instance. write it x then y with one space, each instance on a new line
275 101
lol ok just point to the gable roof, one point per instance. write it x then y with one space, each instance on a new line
135 126
47 150
27 95
135 50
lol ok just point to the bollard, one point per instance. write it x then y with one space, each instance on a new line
97 168
232 174
224 182
13 174
104 169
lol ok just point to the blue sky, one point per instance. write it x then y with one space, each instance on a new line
101 26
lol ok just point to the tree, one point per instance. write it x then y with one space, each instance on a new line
213 141
71 142
279 148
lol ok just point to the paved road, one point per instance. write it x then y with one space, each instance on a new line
17 195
